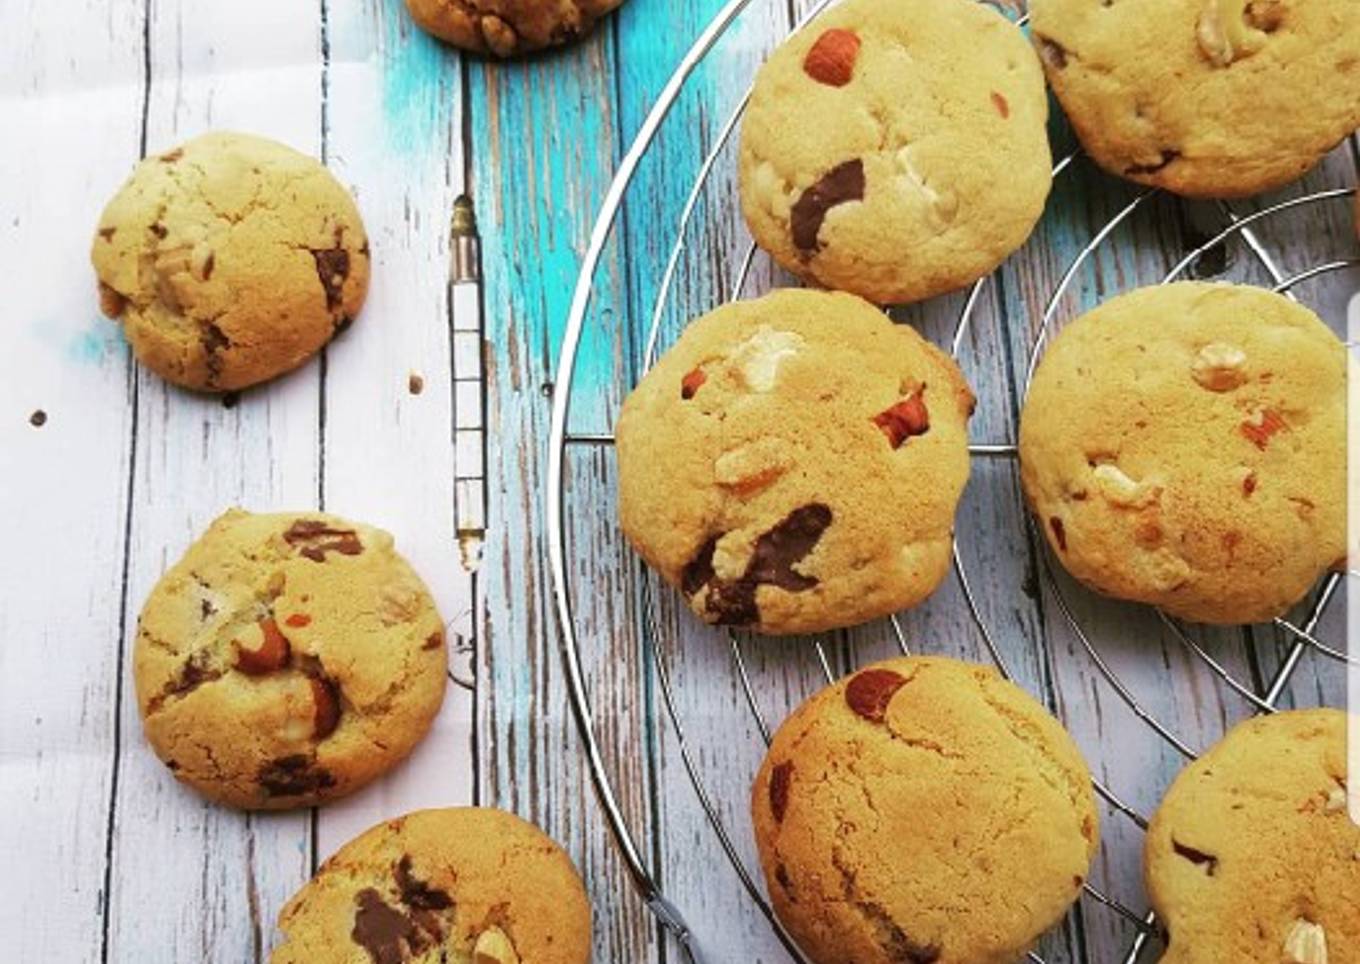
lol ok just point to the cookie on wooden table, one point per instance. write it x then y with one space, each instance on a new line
230 260
1184 445
508 27
287 659
922 810
457 886
1206 98
793 463
1252 857
897 150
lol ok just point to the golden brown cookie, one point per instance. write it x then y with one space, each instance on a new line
457 886
897 150
287 659
793 463
230 260
922 810
1184 445
508 27
1207 98
1252 857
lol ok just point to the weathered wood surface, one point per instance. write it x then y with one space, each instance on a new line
121 864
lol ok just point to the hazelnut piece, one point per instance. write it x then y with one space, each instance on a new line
831 60
1219 367
271 655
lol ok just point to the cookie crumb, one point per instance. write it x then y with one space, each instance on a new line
415 383
38 419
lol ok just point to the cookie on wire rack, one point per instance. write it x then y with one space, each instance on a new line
1206 98
794 462
897 150
1252 856
464 885
922 810
287 659
1184 445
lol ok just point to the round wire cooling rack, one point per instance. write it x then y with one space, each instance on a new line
1298 634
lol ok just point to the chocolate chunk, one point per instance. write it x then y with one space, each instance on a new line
1198 857
292 776
772 561
332 267
317 539
172 156
325 706
385 932
1167 158
698 573
193 674
786 544
780 779
206 609
417 893
906 419
781 874
870 692
895 940
272 654
213 340
107 233
841 184
1059 532
433 641
208 266
159 230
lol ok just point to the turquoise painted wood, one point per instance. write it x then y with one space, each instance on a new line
124 866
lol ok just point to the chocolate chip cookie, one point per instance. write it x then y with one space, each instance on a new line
793 463
459 886
1207 98
1252 857
505 28
922 810
287 659
230 260
1185 446
897 150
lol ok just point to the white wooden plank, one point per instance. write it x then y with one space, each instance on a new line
394 130
69 80
212 891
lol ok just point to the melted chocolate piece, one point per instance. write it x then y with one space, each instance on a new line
292 776
317 539
326 707
213 340
417 893
1198 857
699 572
332 267
841 184
869 693
385 932
1059 532
780 779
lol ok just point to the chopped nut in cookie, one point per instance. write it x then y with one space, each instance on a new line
1261 425
757 359
906 419
831 60
753 466
1225 33
494 947
692 382
1120 490
1306 943
1220 367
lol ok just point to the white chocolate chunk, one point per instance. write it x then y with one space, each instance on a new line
758 358
1220 367
1306 943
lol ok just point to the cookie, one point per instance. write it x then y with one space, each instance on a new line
901 814
230 260
505 28
1184 446
287 660
1206 98
896 150
460 886
1251 857
793 463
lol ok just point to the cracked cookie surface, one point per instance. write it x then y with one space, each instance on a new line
506 28
287 659
922 810
896 150
793 463
1206 98
462 885
230 260
1184 446
1251 856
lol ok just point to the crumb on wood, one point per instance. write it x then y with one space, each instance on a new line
38 419
415 383
229 399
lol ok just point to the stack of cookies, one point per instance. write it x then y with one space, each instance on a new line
793 463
